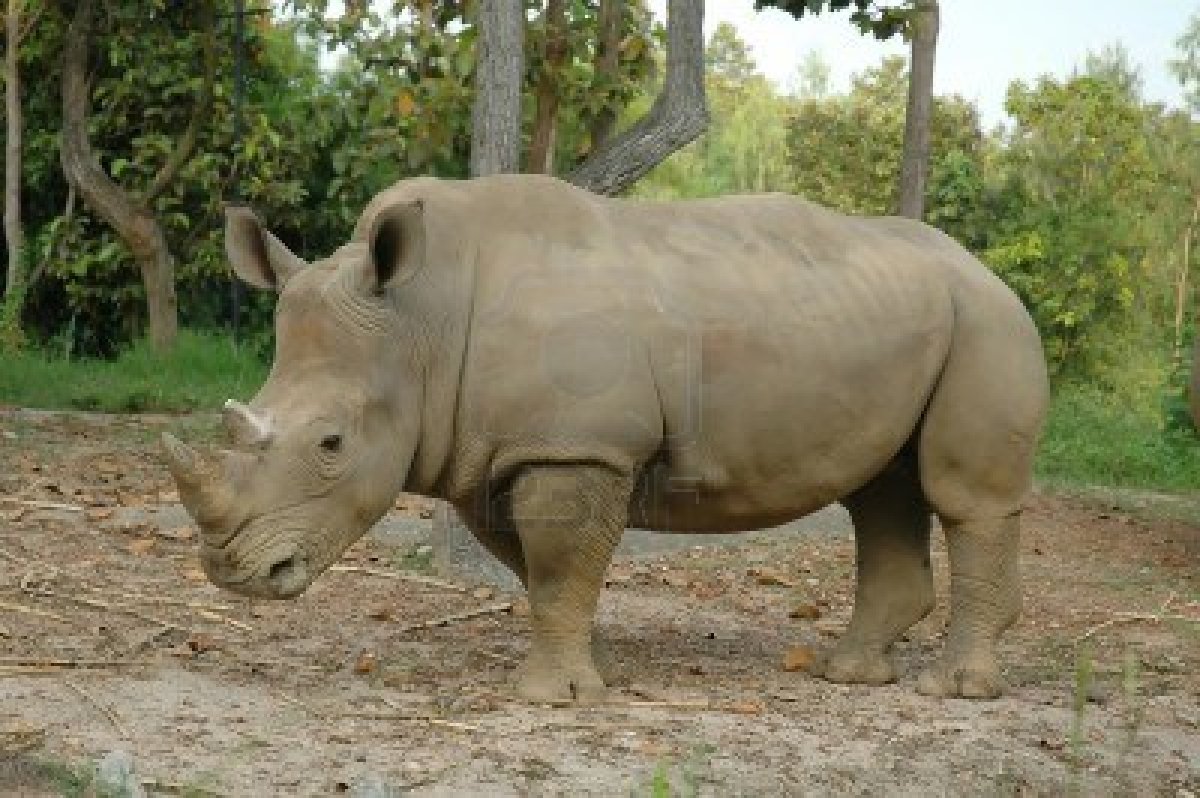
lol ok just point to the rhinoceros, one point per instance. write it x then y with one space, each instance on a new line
561 366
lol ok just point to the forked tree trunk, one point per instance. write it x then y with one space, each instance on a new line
914 168
496 111
678 116
545 122
130 216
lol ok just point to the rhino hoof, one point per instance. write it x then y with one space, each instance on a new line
557 684
847 664
943 681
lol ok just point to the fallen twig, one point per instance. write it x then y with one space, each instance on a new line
104 709
167 600
1134 617
316 713
498 657
4 605
406 577
445 620
43 505
179 788
218 617
40 590
432 721
44 662
110 607
29 670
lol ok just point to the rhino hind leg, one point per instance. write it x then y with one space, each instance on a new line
569 519
894 587
985 599
976 451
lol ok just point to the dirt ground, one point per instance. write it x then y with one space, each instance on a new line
111 640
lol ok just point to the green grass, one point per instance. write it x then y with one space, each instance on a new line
199 374
1093 439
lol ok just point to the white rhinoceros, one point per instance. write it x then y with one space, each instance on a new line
558 366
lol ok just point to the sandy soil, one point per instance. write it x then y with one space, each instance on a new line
111 640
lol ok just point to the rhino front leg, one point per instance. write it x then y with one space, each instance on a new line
569 519
494 530
985 599
894 587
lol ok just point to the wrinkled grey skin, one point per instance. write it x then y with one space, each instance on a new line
560 365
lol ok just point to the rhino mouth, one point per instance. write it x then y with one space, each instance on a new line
260 565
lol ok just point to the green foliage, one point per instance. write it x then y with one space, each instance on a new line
1080 158
845 151
144 83
881 20
200 373
405 86
1095 438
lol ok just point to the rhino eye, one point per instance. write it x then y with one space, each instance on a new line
332 443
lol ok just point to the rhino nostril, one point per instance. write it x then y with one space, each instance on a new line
282 571
288 577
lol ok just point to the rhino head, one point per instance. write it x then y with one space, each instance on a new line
320 453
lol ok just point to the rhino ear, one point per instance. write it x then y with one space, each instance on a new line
396 243
258 257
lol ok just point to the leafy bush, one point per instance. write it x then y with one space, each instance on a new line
1094 438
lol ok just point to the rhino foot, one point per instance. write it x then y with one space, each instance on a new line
972 680
849 663
542 682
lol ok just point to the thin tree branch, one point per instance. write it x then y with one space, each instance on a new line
200 114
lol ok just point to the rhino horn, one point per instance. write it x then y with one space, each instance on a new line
200 489
245 427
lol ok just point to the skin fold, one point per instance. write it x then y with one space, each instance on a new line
560 366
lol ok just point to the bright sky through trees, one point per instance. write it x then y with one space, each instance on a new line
984 45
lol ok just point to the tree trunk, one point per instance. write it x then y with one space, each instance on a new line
545 123
1181 298
131 217
14 235
606 69
1181 280
914 168
496 111
678 116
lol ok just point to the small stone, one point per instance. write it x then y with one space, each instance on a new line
772 576
373 787
805 612
114 774
365 664
140 547
798 658
483 593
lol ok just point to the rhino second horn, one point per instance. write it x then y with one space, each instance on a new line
245 426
